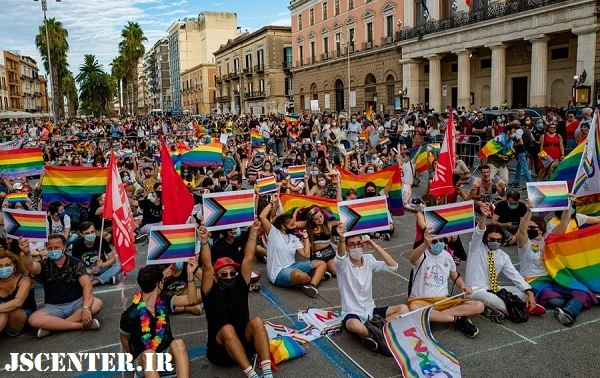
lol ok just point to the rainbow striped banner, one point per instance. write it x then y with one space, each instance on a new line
297 172
492 147
292 120
548 196
205 155
414 348
349 180
384 141
171 244
365 215
452 219
23 162
420 159
223 211
290 202
15 198
73 184
266 185
256 138
26 224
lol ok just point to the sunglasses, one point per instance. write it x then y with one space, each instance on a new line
230 274
533 228
491 240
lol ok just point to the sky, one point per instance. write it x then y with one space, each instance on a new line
95 26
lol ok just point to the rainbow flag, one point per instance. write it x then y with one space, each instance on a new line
434 147
395 200
548 196
384 141
567 168
14 198
450 220
290 202
368 117
26 224
492 147
573 259
349 180
365 215
205 155
589 205
285 348
170 244
73 184
23 162
297 172
259 150
292 120
420 159
228 210
266 185
256 138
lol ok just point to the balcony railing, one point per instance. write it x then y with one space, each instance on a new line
492 11
286 65
387 40
227 77
234 75
219 80
248 71
223 99
254 94
259 68
325 56
367 45
299 63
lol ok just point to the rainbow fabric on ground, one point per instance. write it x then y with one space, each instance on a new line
172 243
25 224
205 155
73 184
22 162
290 202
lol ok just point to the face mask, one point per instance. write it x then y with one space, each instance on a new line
315 173
437 248
238 232
234 187
370 194
355 253
226 284
513 206
322 183
6 272
210 175
158 194
151 198
370 170
179 266
498 120
125 178
494 245
289 231
223 183
147 175
532 234
61 214
528 122
89 237
353 119
55 254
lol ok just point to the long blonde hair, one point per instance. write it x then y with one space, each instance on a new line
14 258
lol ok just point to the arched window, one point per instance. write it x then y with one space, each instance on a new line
370 80
390 89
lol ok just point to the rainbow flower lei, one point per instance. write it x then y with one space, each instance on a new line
161 321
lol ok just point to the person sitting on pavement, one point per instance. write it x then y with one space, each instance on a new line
576 220
17 299
175 283
68 292
233 337
319 230
432 266
531 241
60 223
508 214
355 282
282 246
101 265
152 209
486 260
152 305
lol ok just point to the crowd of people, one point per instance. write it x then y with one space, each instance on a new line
301 249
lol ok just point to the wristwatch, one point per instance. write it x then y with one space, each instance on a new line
85 307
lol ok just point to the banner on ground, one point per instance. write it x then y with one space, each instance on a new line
452 219
171 244
325 321
416 351
365 215
25 224
548 196
222 211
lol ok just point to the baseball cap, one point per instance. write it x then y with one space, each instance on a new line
225 261
17 186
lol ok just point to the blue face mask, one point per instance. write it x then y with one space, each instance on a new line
55 254
6 272
179 266
437 248
89 237
61 214
498 120
238 232
513 206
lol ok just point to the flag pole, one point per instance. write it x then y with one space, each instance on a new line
101 238
436 303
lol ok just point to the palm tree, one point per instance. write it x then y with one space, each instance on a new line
119 75
95 85
132 49
57 37
70 92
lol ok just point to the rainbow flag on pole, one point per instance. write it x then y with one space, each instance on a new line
567 168
23 162
384 142
450 220
205 155
420 159
395 200
228 210
492 147
290 202
297 172
26 224
266 185
171 244
73 184
365 215
14 198
256 138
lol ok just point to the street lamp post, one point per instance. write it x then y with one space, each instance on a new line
50 79
349 89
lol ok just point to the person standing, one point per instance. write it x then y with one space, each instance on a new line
520 144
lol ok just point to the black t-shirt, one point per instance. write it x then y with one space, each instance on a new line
223 308
508 215
132 326
234 251
151 213
89 255
61 285
177 285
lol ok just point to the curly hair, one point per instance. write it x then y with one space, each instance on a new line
14 258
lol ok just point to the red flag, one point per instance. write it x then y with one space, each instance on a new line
117 208
177 200
442 177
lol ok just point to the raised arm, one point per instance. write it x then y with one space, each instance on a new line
416 254
565 218
387 258
191 298
205 258
264 216
341 249
33 267
522 236
249 251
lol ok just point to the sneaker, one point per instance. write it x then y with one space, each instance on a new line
327 276
494 315
112 280
309 290
375 328
563 317
95 324
141 238
385 237
464 325
537 310
42 333
369 344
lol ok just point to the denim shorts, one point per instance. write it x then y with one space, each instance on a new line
284 278
165 374
17 333
63 310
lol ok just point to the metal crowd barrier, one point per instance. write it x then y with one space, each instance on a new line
467 147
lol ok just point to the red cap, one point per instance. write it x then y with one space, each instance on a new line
225 261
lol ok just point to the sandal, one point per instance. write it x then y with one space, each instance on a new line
254 288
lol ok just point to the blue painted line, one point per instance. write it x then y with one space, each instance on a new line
330 353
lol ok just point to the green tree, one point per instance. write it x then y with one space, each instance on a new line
118 72
132 49
57 37
95 86
70 92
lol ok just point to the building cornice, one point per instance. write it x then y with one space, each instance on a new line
248 36
357 55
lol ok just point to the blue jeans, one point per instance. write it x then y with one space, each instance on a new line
284 278
522 166
107 272
573 306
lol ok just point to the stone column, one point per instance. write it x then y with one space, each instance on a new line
586 51
411 73
538 89
464 78
435 83
498 79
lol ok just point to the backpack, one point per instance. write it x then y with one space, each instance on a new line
515 307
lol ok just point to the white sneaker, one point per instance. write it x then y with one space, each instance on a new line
95 324
42 333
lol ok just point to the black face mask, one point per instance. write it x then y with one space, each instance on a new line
370 194
226 284
532 234
234 187
158 193
289 231
223 183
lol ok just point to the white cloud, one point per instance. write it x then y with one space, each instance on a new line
282 22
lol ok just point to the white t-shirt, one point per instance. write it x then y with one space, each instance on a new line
57 227
431 279
281 252
581 220
408 131
531 259
408 172
356 284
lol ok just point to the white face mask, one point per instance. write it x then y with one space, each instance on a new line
322 183
355 253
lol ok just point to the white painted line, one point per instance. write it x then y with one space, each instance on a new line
518 334
350 358
399 275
